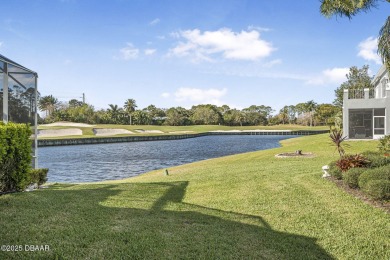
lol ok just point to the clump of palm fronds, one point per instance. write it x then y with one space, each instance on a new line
336 135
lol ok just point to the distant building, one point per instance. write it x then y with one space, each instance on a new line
366 113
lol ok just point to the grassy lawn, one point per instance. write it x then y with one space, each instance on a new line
88 131
247 206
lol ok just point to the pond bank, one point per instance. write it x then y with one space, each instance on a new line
121 139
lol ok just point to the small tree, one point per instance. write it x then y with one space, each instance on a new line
336 135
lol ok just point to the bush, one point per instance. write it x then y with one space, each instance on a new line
15 156
384 144
378 189
352 161
334 170
38 176
351 177
381 173
377 159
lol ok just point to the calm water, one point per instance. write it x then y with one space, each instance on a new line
88 163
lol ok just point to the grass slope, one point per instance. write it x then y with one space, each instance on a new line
249 206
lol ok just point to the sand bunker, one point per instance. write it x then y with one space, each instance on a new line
110 131
149 131
59 132
69 124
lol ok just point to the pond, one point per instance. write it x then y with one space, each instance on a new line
98 162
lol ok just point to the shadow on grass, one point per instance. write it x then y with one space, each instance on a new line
140 221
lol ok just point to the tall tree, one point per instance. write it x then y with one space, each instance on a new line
311 106
129 107
48 104
350 8
115 113
177 116
356 79
75 103
384 43
205 115
325 113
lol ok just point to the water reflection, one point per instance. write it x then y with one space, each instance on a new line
88 163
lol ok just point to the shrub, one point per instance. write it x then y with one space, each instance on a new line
38 176
334 170
381 173
384 144
15 156
377 159
352 161
351 177
336 135
378 189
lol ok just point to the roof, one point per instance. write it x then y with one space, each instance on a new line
8 61
382 71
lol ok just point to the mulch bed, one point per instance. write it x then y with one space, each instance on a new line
385 205
295 155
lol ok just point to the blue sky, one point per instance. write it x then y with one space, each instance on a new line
182 53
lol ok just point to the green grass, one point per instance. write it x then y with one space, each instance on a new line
247 206
88 131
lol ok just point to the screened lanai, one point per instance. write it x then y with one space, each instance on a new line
18 97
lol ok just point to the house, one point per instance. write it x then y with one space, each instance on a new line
366 112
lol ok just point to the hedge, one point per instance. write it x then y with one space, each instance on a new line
37 176
380 173
351 177
334 170
377 159
15 156
378 189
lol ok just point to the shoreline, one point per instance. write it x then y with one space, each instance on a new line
121 139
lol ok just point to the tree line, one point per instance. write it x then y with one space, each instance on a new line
307 113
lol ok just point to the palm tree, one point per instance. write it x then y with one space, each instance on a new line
48 104
114 112
350 8
384 43
310 106
129 107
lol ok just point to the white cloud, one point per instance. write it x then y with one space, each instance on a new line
165 95
335 75
200 96
1 43
155 21
129 52
149 51
244 45
368 48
